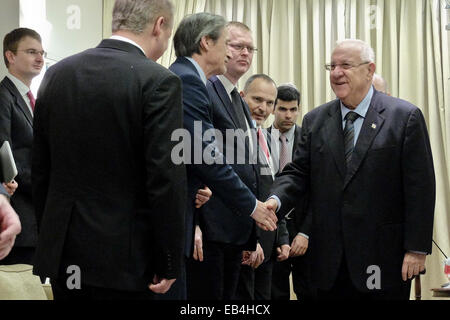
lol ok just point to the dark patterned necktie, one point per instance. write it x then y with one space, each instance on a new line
349 136
238 109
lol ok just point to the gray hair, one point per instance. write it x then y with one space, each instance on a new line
193 28
254 77
135 15
367 53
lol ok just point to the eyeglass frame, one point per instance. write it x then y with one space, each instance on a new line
240 48
34 52
331 67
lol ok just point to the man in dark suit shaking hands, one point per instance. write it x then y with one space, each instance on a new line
24 58
365 159
109 199
201 47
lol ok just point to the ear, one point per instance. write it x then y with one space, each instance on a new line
242 94
372 68
10 56
205 43
158 26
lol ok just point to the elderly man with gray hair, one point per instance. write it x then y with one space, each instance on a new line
201 47
365 160
103 179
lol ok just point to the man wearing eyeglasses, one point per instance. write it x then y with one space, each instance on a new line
24 58
365 159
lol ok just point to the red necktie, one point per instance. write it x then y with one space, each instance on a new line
32 100
262 143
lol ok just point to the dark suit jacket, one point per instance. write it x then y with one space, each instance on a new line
16 126
224 221
378 210
269 240
298 220
108 196
231 224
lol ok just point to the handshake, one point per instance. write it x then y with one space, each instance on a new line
265 216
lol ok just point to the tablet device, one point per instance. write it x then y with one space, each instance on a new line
9 169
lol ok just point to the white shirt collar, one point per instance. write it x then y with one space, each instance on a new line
121 38
227 84
21 87
288 134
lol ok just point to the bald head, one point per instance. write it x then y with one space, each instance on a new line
379 83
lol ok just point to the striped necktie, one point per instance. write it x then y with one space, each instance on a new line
349 136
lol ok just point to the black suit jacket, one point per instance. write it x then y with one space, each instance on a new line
16 126
378 210
108 196
299 220
224 180
269 240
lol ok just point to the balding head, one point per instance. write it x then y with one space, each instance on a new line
380 84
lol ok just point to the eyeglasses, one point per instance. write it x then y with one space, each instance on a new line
345 66
35 52
240 48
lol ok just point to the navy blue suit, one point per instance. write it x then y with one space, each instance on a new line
227 183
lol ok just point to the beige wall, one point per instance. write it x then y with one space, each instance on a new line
9 20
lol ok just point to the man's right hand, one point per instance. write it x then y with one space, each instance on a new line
265 218
272 205
160 286
198 244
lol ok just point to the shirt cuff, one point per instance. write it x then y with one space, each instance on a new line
303 235
256 205
277 200
418 252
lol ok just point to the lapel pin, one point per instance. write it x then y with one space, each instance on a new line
374 126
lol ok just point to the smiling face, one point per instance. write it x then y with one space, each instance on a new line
260 97
350 85
27 62
240 60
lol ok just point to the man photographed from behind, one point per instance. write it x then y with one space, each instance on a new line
260 93
365 159
103 178
201 47
24 58
283 145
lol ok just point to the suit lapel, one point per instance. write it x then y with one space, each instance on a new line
223 95
334 137
20 103
247 114
371 126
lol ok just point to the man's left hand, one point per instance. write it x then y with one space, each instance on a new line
413 264
202 197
